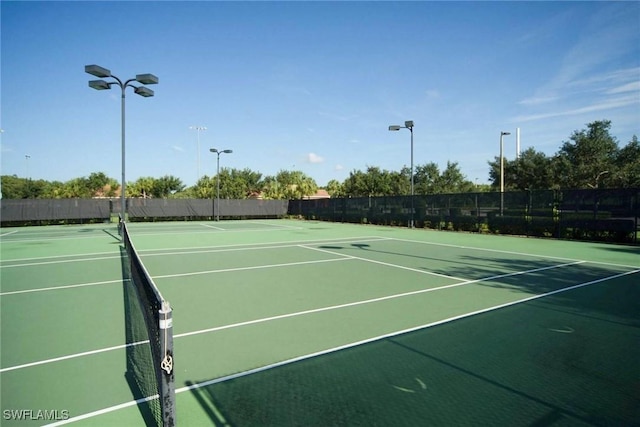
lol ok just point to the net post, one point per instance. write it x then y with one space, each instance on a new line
167 383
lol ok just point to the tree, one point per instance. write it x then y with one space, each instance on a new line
453 181
372 183
271 188
13 187
296 184
335 188
628 165
533 170
426 178
588 159
142 187
166 186
97 181
77 188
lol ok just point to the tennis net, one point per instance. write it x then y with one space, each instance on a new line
154 376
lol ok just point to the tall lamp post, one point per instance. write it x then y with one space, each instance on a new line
198 129
408 125
218 152
27 157
502 134
145 79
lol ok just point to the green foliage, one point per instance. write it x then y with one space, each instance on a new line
590 159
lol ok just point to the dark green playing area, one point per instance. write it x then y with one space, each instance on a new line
301 323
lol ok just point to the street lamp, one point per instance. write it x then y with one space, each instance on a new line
502 172
218 152
145 79
26 160
408 125
198 129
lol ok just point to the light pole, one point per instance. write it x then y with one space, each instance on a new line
145 79
26 160
198 129
408 125
502 172
218 152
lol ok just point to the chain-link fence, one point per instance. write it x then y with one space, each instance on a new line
83 211
599 214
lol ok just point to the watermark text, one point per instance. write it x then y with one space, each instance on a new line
35 414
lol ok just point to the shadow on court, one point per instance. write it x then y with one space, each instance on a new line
561 360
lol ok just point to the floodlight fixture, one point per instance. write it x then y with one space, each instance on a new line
408 124
96 70
99 84
143 91
147 79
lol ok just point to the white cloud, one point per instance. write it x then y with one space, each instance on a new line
339 167
314 158
177 148
538 100
629 87
601 106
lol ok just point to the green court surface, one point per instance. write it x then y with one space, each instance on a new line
301 323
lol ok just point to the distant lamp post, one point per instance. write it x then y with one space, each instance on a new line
408 125
502 134
145 79
26 160
218 152
198 129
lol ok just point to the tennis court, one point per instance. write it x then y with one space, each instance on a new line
301 323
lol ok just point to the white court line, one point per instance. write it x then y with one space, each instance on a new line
72 356
289 227
304 312
55 288
251 248
145 252
509 252
369 301
248 230
54 257
253 267
55 239
11 232
383 263
343 347
29 264
214 227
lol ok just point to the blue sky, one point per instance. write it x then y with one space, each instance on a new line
311 86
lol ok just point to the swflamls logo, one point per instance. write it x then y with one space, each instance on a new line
35 414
